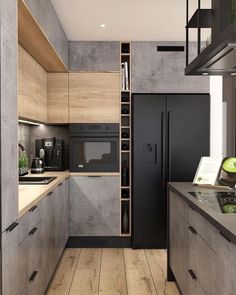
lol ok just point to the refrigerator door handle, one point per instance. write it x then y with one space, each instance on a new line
169 145
163 182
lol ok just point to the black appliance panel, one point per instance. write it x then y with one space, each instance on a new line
94 147
188 134
148 171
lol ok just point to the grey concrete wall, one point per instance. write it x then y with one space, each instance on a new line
8 112
47 18
163 72
28 134
94 56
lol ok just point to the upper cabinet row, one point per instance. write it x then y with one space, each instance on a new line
79 97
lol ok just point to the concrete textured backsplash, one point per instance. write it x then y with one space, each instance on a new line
163 72
27 135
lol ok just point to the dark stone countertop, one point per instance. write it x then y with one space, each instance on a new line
208 207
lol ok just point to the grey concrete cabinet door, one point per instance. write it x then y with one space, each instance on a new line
8 112
10 262
225 267
94 206
163 72
94 56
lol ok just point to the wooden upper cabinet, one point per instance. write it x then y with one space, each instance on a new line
94 97
58 98
32 88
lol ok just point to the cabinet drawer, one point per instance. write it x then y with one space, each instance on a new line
34 215
179 206
202 262
204 228
35 246
23 265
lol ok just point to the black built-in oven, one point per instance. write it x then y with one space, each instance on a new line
94 147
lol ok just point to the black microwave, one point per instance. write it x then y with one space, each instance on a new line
94 147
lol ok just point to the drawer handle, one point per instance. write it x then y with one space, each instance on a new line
12 226
192 229
33 276
49 194
33 231
225 237
33 208
192 274
67 178
60 184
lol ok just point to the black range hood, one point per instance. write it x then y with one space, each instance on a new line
219 58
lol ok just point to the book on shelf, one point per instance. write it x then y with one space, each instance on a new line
207 171
124 76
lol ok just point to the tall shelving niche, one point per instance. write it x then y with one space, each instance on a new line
125 139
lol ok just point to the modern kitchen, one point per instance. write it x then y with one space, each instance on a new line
118 141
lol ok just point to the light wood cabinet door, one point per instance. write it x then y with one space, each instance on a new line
94 98
58 98
32 88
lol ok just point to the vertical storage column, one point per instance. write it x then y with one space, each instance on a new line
125 139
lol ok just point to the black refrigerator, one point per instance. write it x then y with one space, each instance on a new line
170 134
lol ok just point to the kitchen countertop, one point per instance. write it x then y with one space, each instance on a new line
225 223
30 195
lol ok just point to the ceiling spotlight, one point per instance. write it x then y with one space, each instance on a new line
233 74
205 74
102 25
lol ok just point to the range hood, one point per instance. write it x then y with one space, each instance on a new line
219 58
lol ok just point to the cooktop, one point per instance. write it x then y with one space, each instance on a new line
220 202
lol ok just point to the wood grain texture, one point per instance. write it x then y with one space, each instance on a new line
33 39
64 275
94 98
32 88
139 279
108 272
86 278
158 266
58 98
112 278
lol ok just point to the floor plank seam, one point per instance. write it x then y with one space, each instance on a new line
100 270
150 271
74 271
126 281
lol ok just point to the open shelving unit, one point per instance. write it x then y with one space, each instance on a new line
125 140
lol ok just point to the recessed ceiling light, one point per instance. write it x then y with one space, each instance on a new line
102 25
205 74
233 74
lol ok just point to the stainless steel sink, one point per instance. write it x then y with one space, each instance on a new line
24 180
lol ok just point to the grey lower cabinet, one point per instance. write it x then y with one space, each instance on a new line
192 254
93 206
32 246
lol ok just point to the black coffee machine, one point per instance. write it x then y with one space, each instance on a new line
53 153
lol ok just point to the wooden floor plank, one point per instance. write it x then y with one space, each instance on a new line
139 279
112 277
158 266
63 277
86 277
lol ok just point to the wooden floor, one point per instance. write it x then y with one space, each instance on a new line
111 272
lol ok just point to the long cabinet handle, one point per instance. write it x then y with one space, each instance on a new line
225 237
192 229
169 146
33 231
60 184
192 274
49 194
162 151
12 226
33 276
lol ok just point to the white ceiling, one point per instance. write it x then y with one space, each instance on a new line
132 20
